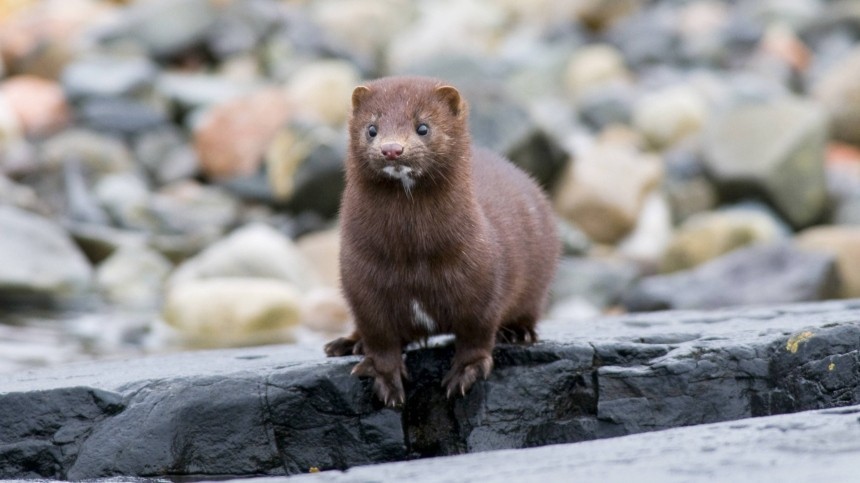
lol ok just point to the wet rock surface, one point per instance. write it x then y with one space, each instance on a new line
283 410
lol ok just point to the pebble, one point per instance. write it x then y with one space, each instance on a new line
777 152
604 189
843 242
762 274
232 137
235 311
133 276
39 104
38 259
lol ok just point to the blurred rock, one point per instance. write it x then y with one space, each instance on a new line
38 259
166 28
599 281
236 311
708 235
41 38
321 91
603 190
133 276
241 26
324 309
195 209
839 91
843 242
192 90
775 151
669 115
760 274
470 29
304 168
39 104
21 196
103 76
574 242
500 123
322 250
647 37
605 105
601 14
98 242
232 137
593 67
125 197
166 155
120 116
253 251
649 238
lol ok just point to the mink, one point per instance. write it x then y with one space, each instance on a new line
437 237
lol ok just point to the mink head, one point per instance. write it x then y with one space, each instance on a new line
408 132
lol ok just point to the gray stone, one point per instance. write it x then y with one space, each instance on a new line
167 27
189 91
285 410
120 116
774 151
700 454
600 281
760 274
38 259
108 77
166 155
241 26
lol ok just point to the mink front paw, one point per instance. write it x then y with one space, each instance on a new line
463 375
387 379
344 346
516 334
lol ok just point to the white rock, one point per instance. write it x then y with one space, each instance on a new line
233 311
255 250
133 276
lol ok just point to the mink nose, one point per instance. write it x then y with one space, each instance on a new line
392 151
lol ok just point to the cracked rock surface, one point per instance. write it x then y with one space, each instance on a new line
280 410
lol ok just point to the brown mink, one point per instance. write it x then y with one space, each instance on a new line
438 237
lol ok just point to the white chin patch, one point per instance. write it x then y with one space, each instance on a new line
403 173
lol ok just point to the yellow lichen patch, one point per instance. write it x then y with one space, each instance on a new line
831 366
313 469
794 341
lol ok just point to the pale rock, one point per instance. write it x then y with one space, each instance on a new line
322 251
603 190
471 28
233 311
322 90
232 137
39 104
844 243
593 67
324 309
773 150
38 258
708 235
253 251
839 91
669 115
652 233
133 276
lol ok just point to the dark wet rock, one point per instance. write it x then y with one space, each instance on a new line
284 410
166 28
760 274
819 445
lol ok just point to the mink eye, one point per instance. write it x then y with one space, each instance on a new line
371 131
422 129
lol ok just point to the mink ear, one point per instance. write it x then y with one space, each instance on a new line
451 96
359 95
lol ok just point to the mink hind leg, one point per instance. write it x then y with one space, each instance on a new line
518 330
473 357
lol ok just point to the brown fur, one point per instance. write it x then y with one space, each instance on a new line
471 239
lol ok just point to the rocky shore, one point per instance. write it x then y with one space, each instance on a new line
158 155
283 410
